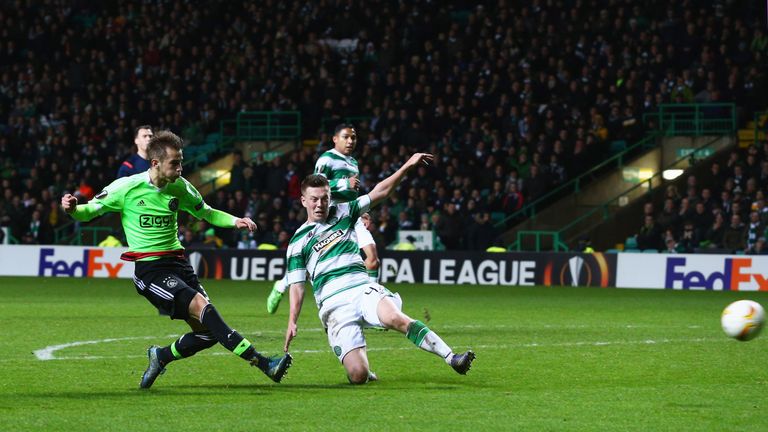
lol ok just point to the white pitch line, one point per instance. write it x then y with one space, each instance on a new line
48 353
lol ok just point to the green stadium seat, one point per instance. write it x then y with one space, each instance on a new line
618 146
630 243
650 251
497 217
212 138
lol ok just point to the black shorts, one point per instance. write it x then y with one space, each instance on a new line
169 284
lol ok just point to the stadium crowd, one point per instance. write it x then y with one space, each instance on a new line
512 99
724 211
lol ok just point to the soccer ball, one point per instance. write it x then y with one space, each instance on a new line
743 319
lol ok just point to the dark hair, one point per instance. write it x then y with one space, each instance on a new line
138 128
341 127
160 142
314 180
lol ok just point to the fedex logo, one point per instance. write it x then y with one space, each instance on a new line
91 265
735 276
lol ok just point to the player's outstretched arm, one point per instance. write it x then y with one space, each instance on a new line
82 212
296 299
69 203
245 223
382 190
223 219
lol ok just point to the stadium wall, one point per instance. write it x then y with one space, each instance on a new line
625 270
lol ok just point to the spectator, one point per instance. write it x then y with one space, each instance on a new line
755 229
759 248
734 235
212 240
247 241
650 235
689 239
407 245
713 239
668 218
449 227
480 234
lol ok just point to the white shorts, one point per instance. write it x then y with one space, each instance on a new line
346 314
364 237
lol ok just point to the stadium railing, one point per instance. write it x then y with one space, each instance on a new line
669 120
328 123
761 125
574 185
692 119
74 234
613 202
559 237
539 236
268 126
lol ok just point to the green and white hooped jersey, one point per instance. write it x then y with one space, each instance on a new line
329 252
337 168
149 214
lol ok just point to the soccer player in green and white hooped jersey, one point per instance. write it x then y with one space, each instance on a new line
340 168
148 204
325 247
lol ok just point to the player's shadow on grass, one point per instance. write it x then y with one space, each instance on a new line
290 387
250 389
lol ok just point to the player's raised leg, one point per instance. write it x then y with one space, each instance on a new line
278 289
203 311
392 317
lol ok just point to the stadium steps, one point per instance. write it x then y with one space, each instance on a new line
747 135
216 174
594 211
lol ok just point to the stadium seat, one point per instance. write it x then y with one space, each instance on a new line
497 217
612 251
650 251
630 243
618 146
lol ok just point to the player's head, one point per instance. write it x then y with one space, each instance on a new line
165 156
141 136
344 139
316 197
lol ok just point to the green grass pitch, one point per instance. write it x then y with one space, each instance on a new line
548 359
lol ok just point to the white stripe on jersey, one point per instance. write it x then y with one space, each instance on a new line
338 163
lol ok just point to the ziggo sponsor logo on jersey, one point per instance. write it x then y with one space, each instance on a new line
735 275
90 266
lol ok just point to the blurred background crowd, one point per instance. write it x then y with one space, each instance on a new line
512 99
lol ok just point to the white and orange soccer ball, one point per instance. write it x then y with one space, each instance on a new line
743 319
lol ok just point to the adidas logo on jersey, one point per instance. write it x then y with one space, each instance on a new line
141 203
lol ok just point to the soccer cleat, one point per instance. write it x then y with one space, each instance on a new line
462 362
372 376
273 301
277 367
153 370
